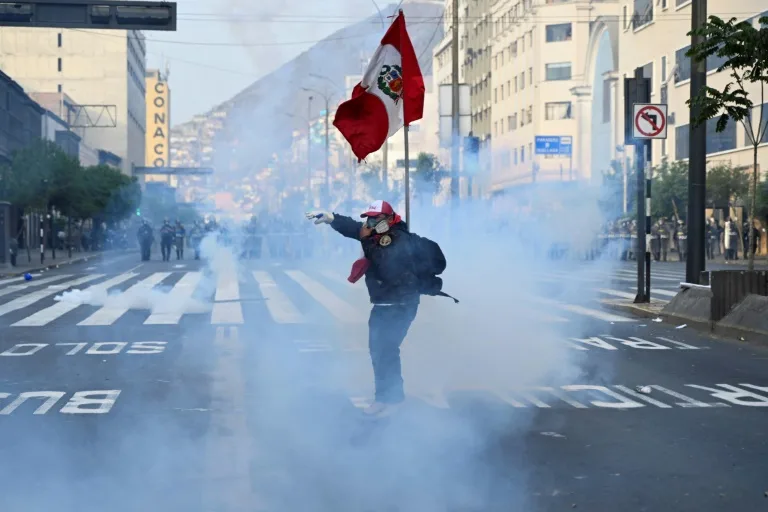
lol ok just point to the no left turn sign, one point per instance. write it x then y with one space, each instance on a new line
649 121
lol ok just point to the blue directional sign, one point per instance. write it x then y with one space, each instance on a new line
554 145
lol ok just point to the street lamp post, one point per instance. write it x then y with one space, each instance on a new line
309 149
327 99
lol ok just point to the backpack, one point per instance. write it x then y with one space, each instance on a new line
429 262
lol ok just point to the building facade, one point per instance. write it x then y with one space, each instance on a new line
20 118
539 58
102 69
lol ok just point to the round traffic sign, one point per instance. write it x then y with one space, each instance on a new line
650 121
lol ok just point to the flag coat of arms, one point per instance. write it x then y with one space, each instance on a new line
390 95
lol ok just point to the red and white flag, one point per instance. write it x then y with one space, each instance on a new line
390 94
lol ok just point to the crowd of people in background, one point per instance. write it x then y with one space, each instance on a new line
265 236
727 238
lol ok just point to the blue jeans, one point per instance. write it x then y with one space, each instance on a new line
387 327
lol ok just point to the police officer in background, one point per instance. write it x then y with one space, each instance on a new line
398 266
146 237
167 234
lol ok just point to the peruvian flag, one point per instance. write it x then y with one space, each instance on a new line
390 94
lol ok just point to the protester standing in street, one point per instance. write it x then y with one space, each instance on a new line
146 237
398 266
167 234
181 235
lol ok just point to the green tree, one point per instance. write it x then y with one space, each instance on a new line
743 50
726 184
670 189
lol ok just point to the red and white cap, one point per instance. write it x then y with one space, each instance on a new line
378 208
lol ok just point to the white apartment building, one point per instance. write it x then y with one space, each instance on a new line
652 36
96 67
539 59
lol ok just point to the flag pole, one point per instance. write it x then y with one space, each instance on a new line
407 168
407 181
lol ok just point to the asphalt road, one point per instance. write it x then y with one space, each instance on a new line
239 388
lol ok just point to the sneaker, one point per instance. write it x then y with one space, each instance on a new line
380 409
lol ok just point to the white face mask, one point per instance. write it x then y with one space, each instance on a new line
381 227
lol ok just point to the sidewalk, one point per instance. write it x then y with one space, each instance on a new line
24 265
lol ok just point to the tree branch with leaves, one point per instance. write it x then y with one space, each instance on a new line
744 53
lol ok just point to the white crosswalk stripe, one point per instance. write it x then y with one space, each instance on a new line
110 313
226 309
336 306
181 292
31 298
32 284
279 298
49 314
279 305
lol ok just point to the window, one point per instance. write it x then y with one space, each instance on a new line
59 63
59 39
515 84
522 118
495 127
59 88
501 89
716 142
663 68
663 6
508 88
514 49
678 3
495 95
647 71
606 101
522 80
558 33
557 110
530 76
559 71
747 139
529 113
512 122
501 125
722 141
642 14
684 64
522 154
530 149
625 18
514 155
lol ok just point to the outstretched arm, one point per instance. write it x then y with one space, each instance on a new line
347 226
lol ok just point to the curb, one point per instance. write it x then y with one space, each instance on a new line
732 333
53 264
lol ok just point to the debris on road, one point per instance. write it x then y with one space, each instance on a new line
681 326
646 390
657 320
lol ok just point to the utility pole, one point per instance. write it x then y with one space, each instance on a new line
455 106
697 158
327 197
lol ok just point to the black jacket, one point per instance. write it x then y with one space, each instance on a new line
392 275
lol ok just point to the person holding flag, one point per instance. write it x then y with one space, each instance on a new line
399 266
